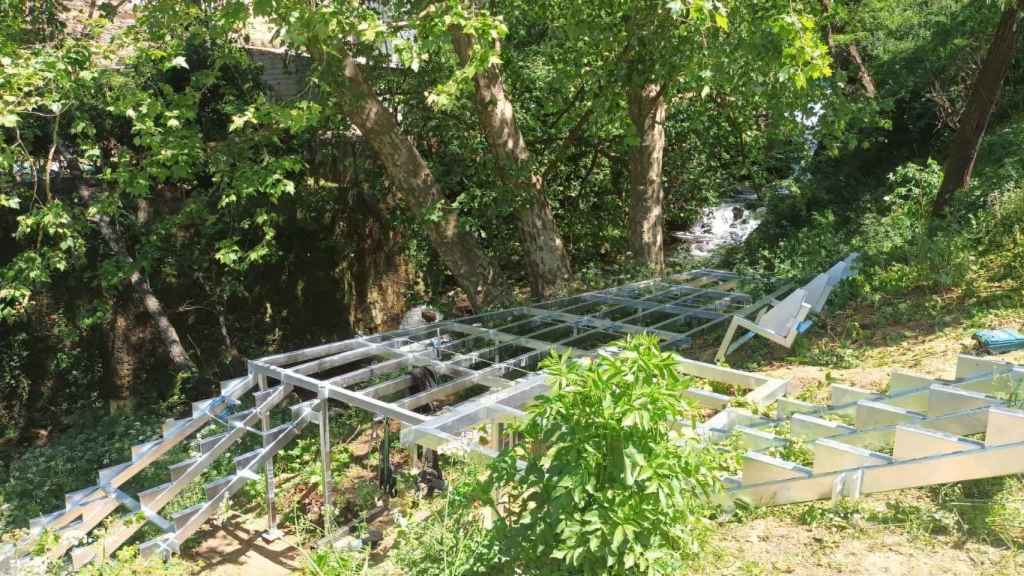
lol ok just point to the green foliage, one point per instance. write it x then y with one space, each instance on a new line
127 562
611 486
14 383
903 254
38 478
453 540
923 48
325 562
794 449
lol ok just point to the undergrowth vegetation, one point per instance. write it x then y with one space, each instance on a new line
987 511
914 276
35 482
910 267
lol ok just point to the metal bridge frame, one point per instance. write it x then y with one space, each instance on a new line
487 367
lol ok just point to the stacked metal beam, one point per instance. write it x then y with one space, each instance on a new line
921 431
85 509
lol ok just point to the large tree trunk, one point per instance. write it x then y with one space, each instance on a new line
168 334
963 149
546 258
476 274
647 111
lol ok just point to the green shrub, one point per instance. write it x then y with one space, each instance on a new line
910 265
608 485
327 562
453 540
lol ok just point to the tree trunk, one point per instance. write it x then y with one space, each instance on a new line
168 334
863 76
963 149
483 283
126 341
546 258
647 111
866 81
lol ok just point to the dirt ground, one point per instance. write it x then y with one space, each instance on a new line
233 545
915 349
769 546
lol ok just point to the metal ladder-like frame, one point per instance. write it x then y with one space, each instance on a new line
923 431
85 509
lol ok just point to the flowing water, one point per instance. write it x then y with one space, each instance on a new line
726 224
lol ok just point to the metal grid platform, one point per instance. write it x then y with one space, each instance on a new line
921 431
486 370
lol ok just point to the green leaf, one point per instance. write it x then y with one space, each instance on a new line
618 537
12 202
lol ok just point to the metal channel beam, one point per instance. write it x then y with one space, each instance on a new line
956 467
349 397
310 353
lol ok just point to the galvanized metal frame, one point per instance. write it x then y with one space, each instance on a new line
499 352
788 318
922 431
496 352
915 434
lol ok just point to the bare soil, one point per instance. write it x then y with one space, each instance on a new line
781 546
233 545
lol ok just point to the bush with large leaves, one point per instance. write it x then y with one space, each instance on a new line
614 480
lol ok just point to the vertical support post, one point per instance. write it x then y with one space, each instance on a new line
325 461
494 435
272 532
414 457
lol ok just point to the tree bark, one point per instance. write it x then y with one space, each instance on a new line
863 76
647 111
168 334
963 150
866 81
126 343
483 283
547 261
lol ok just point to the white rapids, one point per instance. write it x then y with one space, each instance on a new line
723 225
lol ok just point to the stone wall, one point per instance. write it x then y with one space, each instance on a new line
284 74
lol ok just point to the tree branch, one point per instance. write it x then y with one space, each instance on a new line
168 334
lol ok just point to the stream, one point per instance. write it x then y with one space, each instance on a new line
727 224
